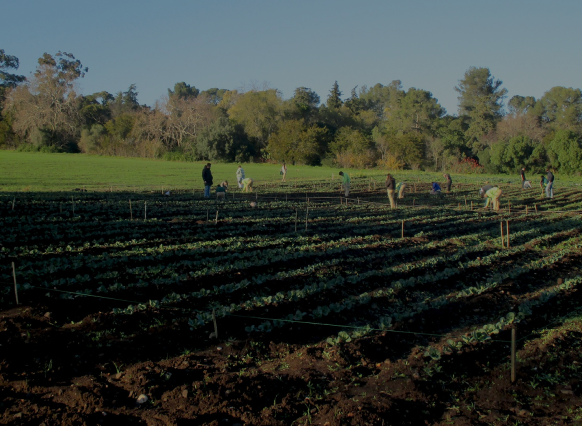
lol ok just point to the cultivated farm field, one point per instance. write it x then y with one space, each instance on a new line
138 308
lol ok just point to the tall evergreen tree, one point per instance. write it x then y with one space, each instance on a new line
481 99
334 98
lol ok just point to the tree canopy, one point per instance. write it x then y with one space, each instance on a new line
382 125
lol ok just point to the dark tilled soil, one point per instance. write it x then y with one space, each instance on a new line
49 375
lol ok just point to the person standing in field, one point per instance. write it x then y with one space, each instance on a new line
550 185
492 193
240 175
247 185
522 175
345 182
207 178
390 188
448 181
543 182
400 188
284 171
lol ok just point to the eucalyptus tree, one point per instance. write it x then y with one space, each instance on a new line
46 106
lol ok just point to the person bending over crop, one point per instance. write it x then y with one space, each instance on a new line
435 189
221 192
247 185
492 193
345 182
390 188
400 188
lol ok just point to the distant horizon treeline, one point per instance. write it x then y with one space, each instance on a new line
380 126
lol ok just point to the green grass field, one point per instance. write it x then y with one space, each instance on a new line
22 171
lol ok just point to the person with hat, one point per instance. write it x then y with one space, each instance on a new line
207 179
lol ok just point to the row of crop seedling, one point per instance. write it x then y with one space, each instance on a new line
329 263
413 253
347 304
407 311
479 334
98 262
140 283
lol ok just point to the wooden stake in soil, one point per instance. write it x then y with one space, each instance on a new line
465 201
306 216
509 206
295 220
15 286
216 218
358 200
402 228
513 354
502 238
507 225
536 206
145 210
526 209
73 200
13 203
130 211
207 215
471 206
215 325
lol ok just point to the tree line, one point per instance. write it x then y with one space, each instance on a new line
379 126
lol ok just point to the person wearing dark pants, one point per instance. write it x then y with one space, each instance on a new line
448 182
522 175
550 185
207 178
390 188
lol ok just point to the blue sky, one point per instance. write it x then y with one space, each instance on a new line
530 45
